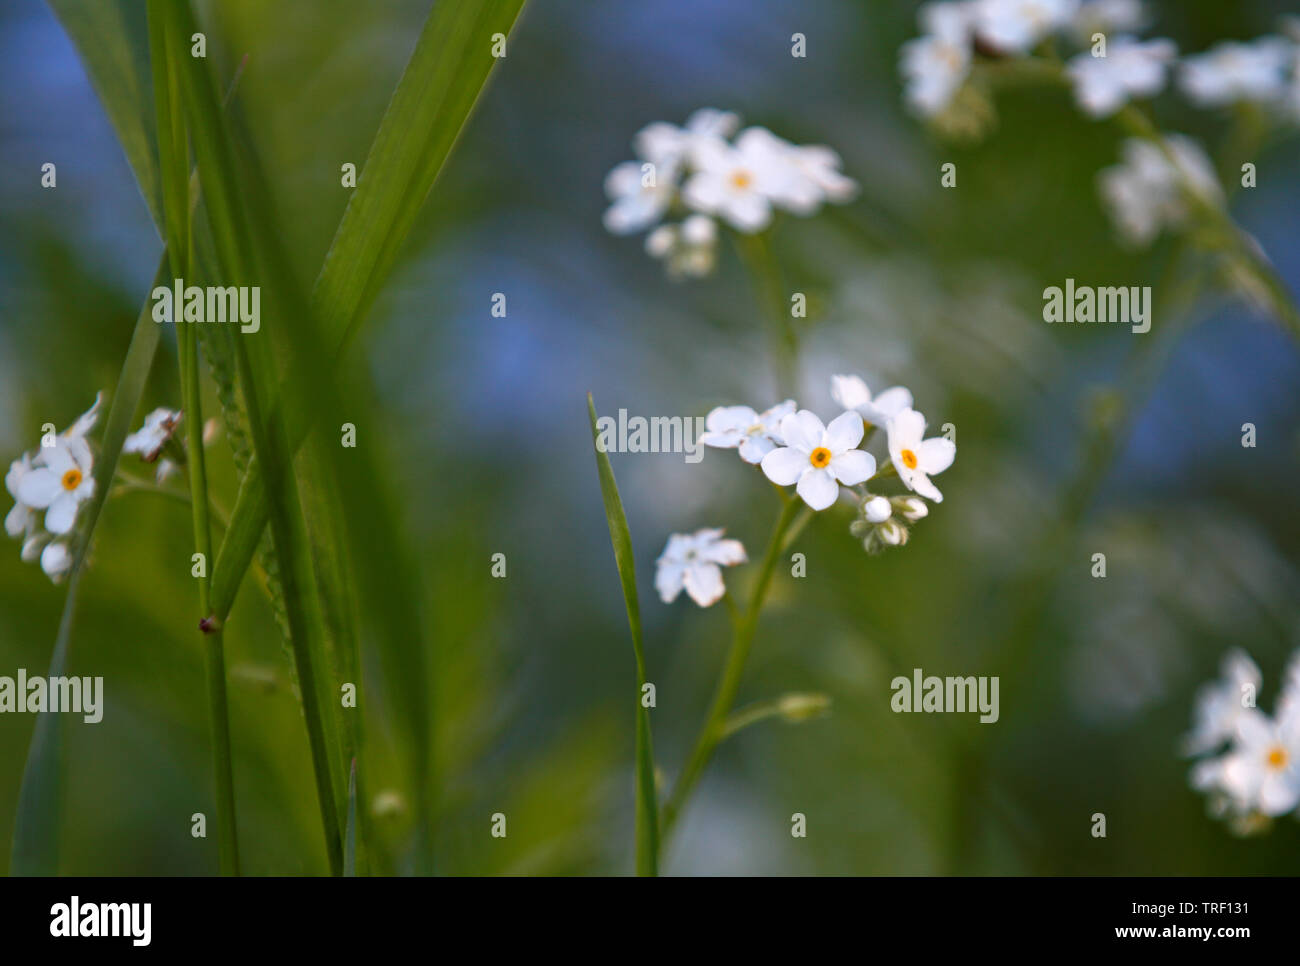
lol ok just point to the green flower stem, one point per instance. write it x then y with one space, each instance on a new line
756 253
788 526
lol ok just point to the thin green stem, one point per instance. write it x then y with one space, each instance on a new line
788 524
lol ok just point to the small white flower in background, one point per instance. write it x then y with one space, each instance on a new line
1148 191
1233 71
55 560
1262 771
1219 705
936 64
61 482
693 562
739 183
1107 17
21 520
850 392
670 146
639 198
150 438
808 174
1131 68
915 457
817 458
1016 26
688 250
739 427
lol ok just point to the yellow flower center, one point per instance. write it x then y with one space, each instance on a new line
909 459
820 457
741 179
72 479
1277 757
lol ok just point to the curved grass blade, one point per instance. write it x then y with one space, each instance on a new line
36 825
647 808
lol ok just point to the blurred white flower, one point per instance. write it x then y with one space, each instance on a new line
740 183
150 438
1148 191
739 427
669 146
813 174
1131 68
817 458
850 392
915 457
1233 71
1015 26
639 197
55 560
694 562
1219 705
21 520
1262 771
688 250
1108 16
60 483
936 64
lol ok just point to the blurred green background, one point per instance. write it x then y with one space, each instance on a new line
481 425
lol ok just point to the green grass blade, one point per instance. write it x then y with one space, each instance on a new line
350 837
430 106
36 826
111 38
647 807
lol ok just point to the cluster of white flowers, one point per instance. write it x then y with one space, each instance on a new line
1105 77
698 172
151 438
1249 762
1153 186
49 486
793 447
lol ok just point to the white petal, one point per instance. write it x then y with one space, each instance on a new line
892 401
755 447
62 514
725 552
668 580
936 455
853 467
906 428
58 458
849 392
818 488
704 583
1278 794
40 487
17 520
749 212
877 510
55 559
725 418
784 466
844 432
803 430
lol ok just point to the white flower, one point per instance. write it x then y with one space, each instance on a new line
150 438
936 64
60 483
639 197
55 560
669 146
739 183
21 520
915 457
1015 26
1102 85
1262 771
1219 705
912 508
694 561
689 250
1233 71
817 458
755 434
850 392
1109 16
877 509
812 174
1148 191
